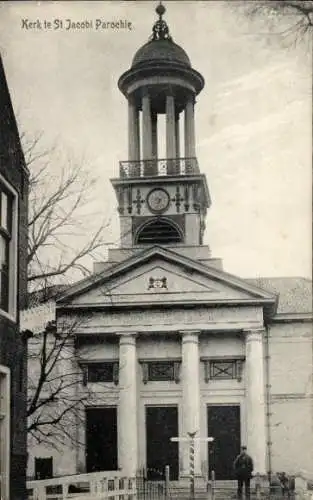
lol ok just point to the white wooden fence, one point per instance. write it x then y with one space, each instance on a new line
92 486
304 485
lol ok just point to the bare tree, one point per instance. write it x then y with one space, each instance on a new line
64 234
57 388
292 18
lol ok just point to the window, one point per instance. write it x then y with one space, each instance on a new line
160 231
159 371
101 372
43 468
8 248
6 207
223 369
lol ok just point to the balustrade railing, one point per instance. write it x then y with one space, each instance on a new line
91 486
159 167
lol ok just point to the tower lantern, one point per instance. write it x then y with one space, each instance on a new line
161 200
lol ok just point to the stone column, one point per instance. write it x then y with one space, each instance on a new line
127 410
190 144
154 133
255 400
177 137
133 131
191 394
146 128
170 127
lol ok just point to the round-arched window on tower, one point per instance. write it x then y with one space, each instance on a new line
159 231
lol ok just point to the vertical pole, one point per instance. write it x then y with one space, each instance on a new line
192 466
167 482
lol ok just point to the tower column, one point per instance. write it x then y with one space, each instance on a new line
255 399
177 136
170 127
154 133
190 143
127 410
133 131
191 394
146 128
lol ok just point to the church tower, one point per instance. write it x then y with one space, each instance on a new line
162 198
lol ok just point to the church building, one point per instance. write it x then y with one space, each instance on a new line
169 341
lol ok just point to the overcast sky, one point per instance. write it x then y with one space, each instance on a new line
253 118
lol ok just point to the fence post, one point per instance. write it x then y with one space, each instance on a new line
257 486
40 492
212 484
167 482
64 490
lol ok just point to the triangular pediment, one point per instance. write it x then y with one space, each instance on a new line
161 276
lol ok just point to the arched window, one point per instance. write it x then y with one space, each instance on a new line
159 231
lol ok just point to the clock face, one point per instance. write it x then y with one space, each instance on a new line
158 200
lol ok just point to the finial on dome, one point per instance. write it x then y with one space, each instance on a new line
160 10
160 29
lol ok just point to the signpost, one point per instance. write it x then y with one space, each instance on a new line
191 439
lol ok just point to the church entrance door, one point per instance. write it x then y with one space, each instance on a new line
224 426
101 439
161 425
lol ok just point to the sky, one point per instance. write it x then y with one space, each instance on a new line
253 118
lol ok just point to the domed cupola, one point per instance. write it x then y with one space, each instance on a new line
161 47
162 58
162 196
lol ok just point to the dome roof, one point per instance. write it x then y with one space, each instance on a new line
160 50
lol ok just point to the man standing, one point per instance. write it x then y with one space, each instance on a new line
243 467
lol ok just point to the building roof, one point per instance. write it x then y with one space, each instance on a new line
45 294
160 51
295 293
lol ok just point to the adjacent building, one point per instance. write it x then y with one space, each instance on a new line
13 295
170 342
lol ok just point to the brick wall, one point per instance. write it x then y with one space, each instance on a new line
13 349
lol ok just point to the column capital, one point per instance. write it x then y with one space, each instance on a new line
254 334
190 335
128 338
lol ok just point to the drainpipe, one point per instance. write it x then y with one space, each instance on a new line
268 403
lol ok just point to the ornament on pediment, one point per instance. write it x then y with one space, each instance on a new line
157 283
138 201
178 199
